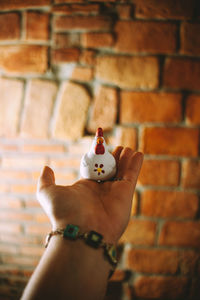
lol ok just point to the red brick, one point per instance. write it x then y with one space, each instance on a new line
17 4
153 261
171 141
182 234
182 73
66 40
169 204
82 23
65 55
150 107
171 9
104 110
128 72
18 215
140 232
193 109
190 39
159 172
191 174
97 40
70 9
24 58
37 26
87 57
10 26
145 37
82 74
158 287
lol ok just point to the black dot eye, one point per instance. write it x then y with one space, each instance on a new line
101 165
96 165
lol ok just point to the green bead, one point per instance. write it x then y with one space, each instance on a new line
71 231
112 254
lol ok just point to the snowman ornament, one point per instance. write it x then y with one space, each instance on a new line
98 164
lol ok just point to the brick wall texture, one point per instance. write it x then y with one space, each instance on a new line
132 67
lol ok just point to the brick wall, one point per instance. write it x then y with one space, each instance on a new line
132 67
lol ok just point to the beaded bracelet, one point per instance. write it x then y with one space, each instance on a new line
91 238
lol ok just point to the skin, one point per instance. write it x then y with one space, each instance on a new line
71 269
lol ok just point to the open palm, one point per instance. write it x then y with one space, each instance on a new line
103 207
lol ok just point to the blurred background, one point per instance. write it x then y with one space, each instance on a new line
133 68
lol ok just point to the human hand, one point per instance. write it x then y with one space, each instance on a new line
104 207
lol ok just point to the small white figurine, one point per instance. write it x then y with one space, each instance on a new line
98 164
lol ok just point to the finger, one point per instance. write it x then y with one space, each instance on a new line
46 178
116 153
133 168
123 162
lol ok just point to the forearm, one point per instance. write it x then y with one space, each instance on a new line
68 270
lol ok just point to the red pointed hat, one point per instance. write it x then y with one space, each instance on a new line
99 132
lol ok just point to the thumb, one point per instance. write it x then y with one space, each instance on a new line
46 178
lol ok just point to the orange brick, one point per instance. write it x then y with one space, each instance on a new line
10 202
31 250
10 4
7 227
14 175
150 107
171 141
153 261
145 37
97 40
10 26
158 287
23 188
128 72
38 108
21 162
140 232
172 9
126 137
18 215
20 260
124 11
38 229
82 74
190 39
193 109
104 110
182 73
24 58
66 40
191 174
159 172
82 23
188 262
65 162
75 8
119 275
169 204
88 57
43 148
37 26
67 1
182 234
65 55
